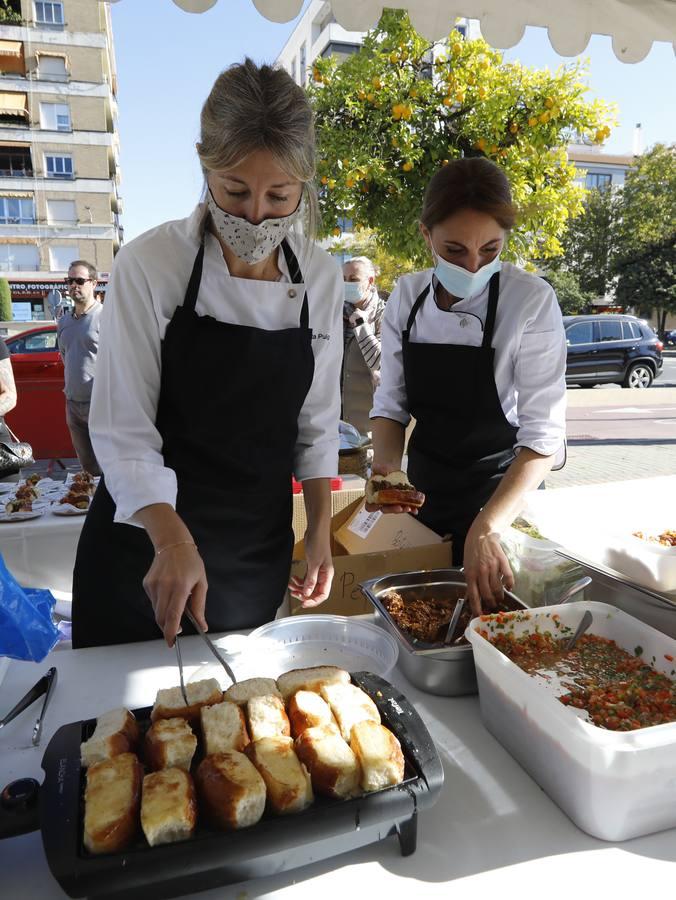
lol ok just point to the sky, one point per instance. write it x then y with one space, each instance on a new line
167 61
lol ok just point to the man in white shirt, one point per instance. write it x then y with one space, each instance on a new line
78 337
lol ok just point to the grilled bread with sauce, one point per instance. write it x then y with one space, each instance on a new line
334 769
310 679
231 792
243 691
379 754
349 704
112 799
169 703
308 710
168 807
169 744
267 718
116 732
223 728
286 778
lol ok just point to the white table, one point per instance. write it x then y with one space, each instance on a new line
40 553
493 831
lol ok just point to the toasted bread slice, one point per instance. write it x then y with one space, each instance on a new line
116 732
168 806
112 800
287 780
349 704
307 710
334 768
169 744
231 791
310 679
379 754
169 703
267 718
243 691
223 728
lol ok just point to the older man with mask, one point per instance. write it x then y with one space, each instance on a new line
78 337
362 317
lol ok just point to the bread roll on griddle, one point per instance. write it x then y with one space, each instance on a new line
112 800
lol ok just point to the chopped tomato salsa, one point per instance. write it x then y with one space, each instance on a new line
619 691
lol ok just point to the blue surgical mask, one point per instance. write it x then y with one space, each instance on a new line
353 291
459 281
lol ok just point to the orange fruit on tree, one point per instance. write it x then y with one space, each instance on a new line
407 166
513 128
532 121
549 103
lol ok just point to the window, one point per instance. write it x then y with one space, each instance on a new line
581 333
598 181
36 343
55 116
15 162
19 258
59 166
14 108
60 258
52 67
610 331
59 211
303 64
49 13
16 211
631 331
341 50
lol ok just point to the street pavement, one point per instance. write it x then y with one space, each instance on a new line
615 435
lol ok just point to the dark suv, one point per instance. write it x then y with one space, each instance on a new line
611 349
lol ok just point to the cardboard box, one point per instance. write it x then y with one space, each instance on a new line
353 489
393 544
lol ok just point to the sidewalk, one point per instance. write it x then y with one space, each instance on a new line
591 462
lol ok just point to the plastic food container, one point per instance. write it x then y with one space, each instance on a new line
613 785
297 642
540 574
435 668
644 562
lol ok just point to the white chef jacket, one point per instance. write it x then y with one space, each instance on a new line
529 343
148 282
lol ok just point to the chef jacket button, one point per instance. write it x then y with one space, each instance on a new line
292 293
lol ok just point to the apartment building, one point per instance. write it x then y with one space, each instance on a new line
59 147
317 34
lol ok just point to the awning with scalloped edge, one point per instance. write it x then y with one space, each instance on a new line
633 25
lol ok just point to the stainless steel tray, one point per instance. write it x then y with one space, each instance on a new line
664 599
449 582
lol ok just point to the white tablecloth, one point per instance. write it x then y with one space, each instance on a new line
493 832
40 553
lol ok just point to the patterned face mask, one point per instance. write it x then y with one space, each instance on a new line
252 243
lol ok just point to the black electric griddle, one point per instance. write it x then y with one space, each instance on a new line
212 858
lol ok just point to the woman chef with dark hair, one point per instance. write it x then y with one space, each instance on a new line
474 350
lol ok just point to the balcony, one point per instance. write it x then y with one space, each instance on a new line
17 173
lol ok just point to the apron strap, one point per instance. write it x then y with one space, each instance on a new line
193 288
416 306
296 278
493 293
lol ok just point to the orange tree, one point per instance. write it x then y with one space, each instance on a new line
392 113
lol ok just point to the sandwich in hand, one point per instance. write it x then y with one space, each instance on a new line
393 490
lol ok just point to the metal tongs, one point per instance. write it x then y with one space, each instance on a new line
44 686
212 647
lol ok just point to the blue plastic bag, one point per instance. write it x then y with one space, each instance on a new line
26 628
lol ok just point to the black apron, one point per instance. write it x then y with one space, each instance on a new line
230 397
462 443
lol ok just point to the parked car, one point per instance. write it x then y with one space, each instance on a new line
39 416
611 349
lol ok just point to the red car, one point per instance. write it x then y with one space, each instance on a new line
40 413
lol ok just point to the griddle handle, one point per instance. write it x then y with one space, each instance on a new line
402 718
